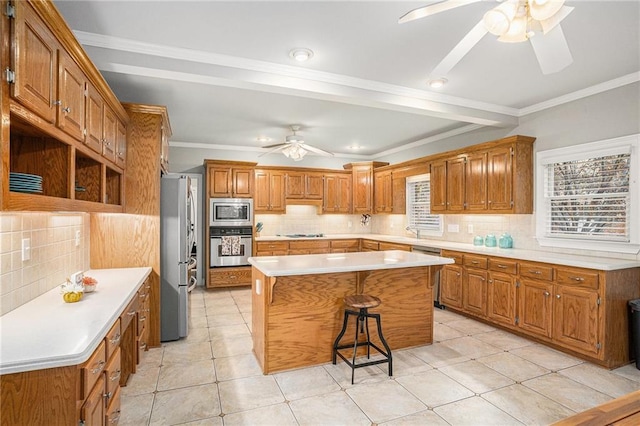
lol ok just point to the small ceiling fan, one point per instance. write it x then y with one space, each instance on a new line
295 147
513 21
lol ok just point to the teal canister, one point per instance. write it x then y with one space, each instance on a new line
478 241
506 241
490 240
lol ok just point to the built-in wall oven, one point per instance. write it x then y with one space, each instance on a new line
230 245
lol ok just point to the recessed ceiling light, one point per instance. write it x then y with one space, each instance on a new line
301 54
263 139
437 83
355 147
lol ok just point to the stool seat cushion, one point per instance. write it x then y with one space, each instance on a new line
360 301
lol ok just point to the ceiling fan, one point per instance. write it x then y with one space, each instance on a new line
513 21
295 147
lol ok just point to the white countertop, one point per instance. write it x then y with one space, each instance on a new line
307 264
592 262
47 332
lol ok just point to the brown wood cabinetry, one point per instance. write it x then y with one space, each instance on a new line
304 185
230 276
230 179
309 247
383 194
345 246
363 185
53 123
578 310
269 193
493 177
337 193
383 245
369 245
272 248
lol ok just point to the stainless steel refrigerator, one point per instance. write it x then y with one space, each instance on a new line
176 242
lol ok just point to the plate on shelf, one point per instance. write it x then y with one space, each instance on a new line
24 177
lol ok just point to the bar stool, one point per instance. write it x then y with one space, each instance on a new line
362 302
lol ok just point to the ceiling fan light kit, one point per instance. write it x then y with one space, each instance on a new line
294 147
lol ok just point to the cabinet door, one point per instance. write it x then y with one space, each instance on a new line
476 182
344 194
164 150
295 182
276 192
331 194
94 106
456 184
262 196
399 194
93 410
242 183
219 182
474 292
500 179
313 186
575 321
451 286
121 145
36 63
71 91
383 197
534 307
363 188
501 306
438 186
110 131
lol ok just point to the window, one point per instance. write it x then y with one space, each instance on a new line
419 215
588 196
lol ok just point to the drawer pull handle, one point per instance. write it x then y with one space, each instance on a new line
535 272
131 313
115 375
143 345
66 109
115 340
142 318
475 262
99 368
502 266
579 279
108 395
232 277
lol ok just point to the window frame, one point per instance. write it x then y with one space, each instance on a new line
596 149
423 231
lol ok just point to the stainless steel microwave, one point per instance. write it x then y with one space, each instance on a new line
231 212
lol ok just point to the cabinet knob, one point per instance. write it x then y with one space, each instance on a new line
66 109
115 340
490 281
535 272
579 279
115 376
547 294
557 296
98 367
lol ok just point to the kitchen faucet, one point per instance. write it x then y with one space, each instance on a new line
415 231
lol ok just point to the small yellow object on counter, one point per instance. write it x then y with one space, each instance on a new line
72 297
71 292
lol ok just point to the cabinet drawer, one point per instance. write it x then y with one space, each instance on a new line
536 271
92 369
113 371
369 245
309 244
472 261
141 345
230 276
457 257
142 318
112 340
345 244
272 245
392 246
577 277
503 265
129 313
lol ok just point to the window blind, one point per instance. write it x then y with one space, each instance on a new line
419 204
588 198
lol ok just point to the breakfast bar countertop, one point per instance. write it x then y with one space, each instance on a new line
579 261
308 264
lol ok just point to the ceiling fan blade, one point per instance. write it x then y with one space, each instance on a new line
462 48
276 148
276 145
432 9
316 150
552 51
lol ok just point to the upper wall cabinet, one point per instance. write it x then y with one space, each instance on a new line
230 179
337 193
269 194
62 122
303 185
493 177
363 186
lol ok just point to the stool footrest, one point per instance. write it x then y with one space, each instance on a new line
363 364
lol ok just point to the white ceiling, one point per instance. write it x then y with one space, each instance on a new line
223 70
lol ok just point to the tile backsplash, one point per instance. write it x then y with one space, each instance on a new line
53 253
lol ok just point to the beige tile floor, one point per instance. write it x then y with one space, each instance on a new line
473 374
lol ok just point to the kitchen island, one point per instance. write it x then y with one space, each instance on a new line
298 309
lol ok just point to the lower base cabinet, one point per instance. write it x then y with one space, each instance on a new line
229 276
578 310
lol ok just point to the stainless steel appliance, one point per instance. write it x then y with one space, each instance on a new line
176 245
231 212
436 285
230 245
